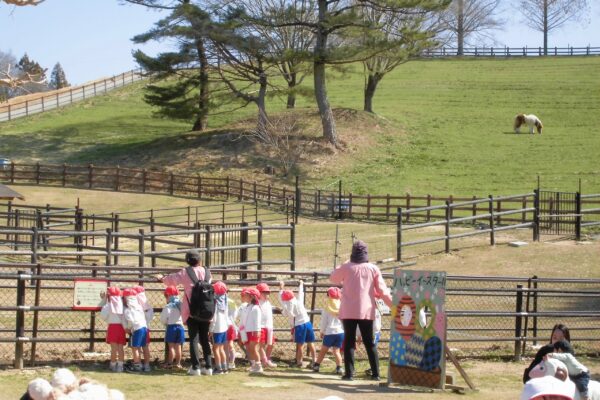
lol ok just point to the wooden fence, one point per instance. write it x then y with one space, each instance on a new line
511 51
484 313
24 106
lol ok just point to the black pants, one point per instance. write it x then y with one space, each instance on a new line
198 332
366 331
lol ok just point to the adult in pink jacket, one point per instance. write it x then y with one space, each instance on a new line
361 283
197 330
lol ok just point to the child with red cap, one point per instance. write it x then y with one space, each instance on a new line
302 328
135 324
112 313
332 330
219 326
149 314
250 327
266 337
175 333
232 333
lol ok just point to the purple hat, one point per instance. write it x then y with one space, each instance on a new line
359 252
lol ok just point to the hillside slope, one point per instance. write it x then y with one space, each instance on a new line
443 127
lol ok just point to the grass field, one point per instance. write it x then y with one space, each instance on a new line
444 127
497 380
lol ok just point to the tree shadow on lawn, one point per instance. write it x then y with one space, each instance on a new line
364 387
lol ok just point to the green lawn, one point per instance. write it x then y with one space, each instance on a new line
448 130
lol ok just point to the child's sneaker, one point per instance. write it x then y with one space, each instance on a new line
194 371
134 368
231 365
147 368
206 371
339 370
256 369
218 371
316 367
119 368
270 364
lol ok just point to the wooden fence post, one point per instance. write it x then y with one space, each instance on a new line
199 181
36 303
116 230
20 321
17 226
141 252
387 207
536 215
37 173
447 226
64 175
491 220
428 205
399 235
518 322
227 188
12 172
578 217
293 246
259 250
153 243
407 206
108 246
207 261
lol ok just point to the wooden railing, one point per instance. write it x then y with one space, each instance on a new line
24 106
511 51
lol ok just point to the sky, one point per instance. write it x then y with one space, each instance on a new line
92 38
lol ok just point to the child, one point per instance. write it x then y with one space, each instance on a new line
266 337
250 328
112 313
232 332
332 330
578 372
302 328
380 309
135 325
149 314
175 333
219 326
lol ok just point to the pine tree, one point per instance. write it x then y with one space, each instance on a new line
30 67
58 80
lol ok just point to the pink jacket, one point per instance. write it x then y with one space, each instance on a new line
181 278
361 283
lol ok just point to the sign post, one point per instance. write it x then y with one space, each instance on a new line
418 331
87 294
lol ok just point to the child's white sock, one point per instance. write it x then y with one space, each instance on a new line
252 363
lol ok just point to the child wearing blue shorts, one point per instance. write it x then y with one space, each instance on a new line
219 326
174 333
332 330
302 328
136 326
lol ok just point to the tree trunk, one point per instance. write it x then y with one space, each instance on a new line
327 121
202 118
291 98
460 28
260 103
370 88
545 27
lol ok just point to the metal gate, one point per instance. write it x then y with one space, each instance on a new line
558 213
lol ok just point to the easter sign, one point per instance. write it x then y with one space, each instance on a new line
418 331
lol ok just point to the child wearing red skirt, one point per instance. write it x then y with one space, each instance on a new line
112 313
250 327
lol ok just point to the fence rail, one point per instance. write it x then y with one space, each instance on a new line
24 106
524 51
483 312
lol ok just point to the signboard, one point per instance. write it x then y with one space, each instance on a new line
418 331
87 294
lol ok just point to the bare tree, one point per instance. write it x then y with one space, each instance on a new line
284 137
471 18
547 15
290 45
20 81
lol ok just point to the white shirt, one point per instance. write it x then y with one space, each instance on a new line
294 309
250 318
171 316
220 321
330 324
110 317
266 310
134 319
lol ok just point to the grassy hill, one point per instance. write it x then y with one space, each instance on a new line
443 127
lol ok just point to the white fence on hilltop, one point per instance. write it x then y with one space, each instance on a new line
35 103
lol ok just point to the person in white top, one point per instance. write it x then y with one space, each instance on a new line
332 330
219 326
112 313
250 327
174 333
149 314
135 325
302 328
267 338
